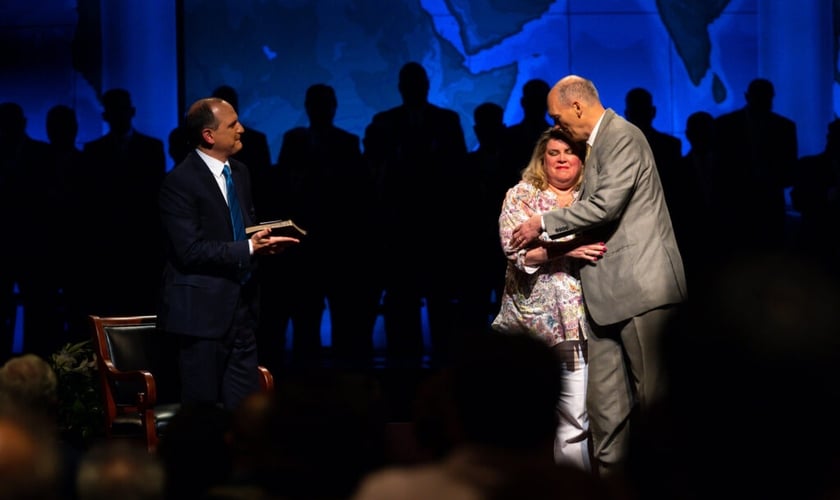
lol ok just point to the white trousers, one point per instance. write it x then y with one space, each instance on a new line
571 445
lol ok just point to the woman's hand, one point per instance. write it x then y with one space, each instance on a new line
591 251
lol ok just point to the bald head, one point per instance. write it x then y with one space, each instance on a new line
576 88
201 115
575 107
212 125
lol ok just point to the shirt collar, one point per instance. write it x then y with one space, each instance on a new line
595 129
213 164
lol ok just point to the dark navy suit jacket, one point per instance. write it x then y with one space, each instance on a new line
204 265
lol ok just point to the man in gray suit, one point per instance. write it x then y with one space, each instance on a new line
632 292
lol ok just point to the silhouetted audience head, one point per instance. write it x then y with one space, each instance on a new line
321 104
325 432
759 95
62 126
756 347
30 461
12 123
29 386
505 392
178 145
414 84
832 139
638 107
249 429
700 130
193 450
229 94
120 470
29 380
498 402
118 110
533 100
433 417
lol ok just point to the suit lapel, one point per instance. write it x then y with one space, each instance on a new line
590 178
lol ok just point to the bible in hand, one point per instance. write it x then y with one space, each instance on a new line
285 227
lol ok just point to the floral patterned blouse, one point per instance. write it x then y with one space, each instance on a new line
544 300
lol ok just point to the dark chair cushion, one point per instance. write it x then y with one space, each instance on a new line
143 347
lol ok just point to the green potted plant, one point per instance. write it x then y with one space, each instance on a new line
80 413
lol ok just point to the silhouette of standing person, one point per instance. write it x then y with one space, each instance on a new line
22 168
484 190
255 153
667 153
758 150
322 174
415 150
64 200
127 169
700 164
523 136
816 195
699 178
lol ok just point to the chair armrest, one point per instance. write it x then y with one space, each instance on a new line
266 379
146 396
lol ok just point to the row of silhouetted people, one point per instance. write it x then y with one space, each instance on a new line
86 237
394 193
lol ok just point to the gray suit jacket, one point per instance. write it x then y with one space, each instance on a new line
622 204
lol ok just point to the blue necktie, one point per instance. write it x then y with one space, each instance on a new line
235 216
233 205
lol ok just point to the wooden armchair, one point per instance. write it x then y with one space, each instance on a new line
138 372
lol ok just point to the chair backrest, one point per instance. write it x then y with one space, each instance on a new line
135 343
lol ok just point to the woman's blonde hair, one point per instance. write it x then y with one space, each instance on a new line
534 172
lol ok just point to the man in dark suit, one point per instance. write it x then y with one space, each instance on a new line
210 296
758 152
630 294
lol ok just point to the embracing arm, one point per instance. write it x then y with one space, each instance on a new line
572 248
521 203
618 164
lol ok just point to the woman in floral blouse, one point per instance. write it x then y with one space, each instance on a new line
542 294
